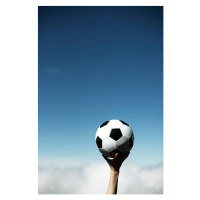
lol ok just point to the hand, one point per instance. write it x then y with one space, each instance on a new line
116 163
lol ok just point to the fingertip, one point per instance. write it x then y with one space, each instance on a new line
116 156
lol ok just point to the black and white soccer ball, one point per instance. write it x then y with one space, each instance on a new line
114 136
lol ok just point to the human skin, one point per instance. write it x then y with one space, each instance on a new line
114 165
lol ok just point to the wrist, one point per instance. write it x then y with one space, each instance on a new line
114 171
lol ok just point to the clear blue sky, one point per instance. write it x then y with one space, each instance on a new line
96 64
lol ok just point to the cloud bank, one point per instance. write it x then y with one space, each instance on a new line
65 176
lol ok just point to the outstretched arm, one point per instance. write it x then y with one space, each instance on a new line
115 165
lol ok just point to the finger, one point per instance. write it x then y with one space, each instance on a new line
116 156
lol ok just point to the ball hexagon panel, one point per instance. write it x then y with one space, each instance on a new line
123 144
115 123
109 144
104 152
103 132
115 134
126 131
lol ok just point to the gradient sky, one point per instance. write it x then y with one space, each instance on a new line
97 64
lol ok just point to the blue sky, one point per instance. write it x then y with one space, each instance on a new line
96 64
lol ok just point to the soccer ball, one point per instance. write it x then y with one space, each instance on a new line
114 136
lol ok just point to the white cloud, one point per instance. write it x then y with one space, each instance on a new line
64 176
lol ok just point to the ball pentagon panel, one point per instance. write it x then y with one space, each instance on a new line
123 122
105 123
99 142
115 134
